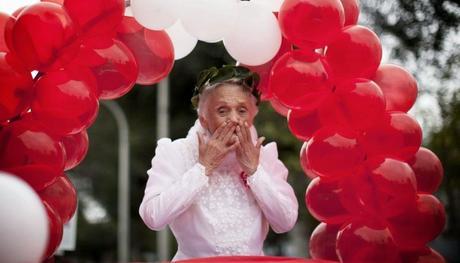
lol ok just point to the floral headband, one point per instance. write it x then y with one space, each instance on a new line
214 75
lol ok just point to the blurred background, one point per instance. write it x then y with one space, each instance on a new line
422 36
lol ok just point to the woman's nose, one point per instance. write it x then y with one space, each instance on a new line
234 117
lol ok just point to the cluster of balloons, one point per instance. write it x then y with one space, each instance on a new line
57 60
372 182
233 21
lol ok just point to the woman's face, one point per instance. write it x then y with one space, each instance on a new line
227 102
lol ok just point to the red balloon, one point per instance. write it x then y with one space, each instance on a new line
425 255
66 100
397 136
303 162
356 104
55 230
311 24
417 226
16 87
265 69
351 10
40 34
62 197
359 196
361 242
76 147
322 242
300 80
323 201
394 186
6 27
332 152
398 86
278 107
96 17
153 51
113 65
355 53
129 25
428 170
31 153
303 124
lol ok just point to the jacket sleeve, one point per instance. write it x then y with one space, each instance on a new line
272 192
170 189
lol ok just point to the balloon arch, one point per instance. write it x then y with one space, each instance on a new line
371 181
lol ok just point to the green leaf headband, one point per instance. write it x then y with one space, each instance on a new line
214 75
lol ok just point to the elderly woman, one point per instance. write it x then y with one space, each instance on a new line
219 189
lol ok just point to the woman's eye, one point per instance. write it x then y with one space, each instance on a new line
243 110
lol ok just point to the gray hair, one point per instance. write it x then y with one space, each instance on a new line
202 98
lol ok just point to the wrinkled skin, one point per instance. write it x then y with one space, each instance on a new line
227 112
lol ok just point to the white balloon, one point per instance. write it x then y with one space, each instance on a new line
182 41
129 11
256 37
10 6
155 14
273 5
23 222
208 20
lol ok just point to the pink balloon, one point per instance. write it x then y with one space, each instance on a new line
322 242
16 87
364 242
61 2
397 136
340 146
351 10
76 147
303 124
153 51
356 104
428 170
41 34
323 201
112 64
66 100
355 53
311 24
300 80
398 86
417 226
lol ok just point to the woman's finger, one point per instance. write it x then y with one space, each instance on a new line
229 129
235 145
217 133
246 132
228 135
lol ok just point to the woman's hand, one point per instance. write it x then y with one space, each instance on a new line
213 152
247 153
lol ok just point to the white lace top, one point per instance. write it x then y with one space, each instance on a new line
220 214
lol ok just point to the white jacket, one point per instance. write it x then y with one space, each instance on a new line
219 214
